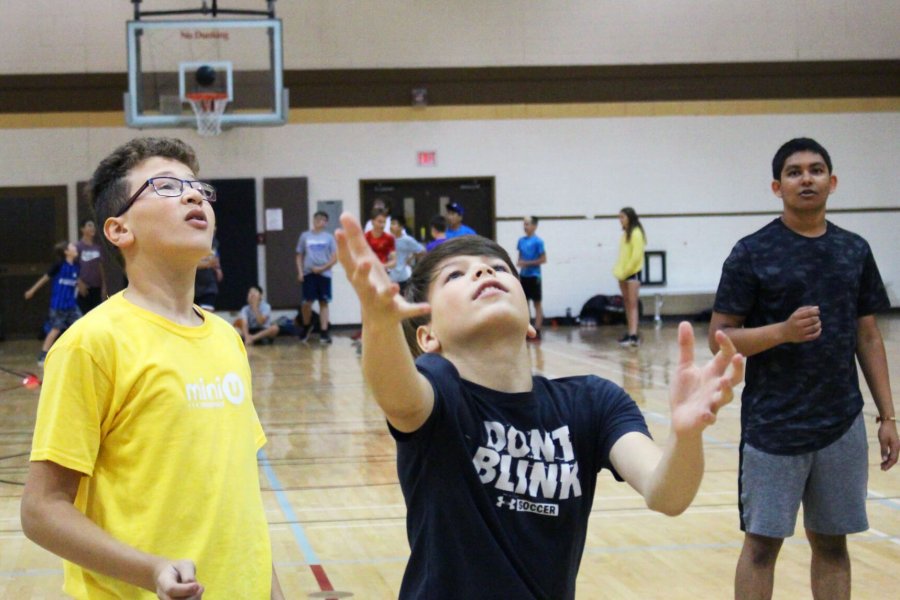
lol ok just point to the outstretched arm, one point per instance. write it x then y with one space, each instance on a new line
37 285
50 519
668 478
873 362
402 392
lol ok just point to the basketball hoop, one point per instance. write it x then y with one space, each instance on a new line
208 108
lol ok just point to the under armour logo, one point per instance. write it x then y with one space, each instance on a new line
511 503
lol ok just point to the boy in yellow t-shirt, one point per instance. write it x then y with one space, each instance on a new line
143 472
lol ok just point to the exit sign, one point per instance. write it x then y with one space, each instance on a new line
427 159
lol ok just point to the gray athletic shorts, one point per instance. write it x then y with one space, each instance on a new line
831 483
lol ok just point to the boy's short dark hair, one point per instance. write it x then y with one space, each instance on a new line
439 223
794 146
378 212
399 220
257 288
85 221
108 187
534 220
320 213
426 270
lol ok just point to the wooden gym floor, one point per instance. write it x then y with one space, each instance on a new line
337 514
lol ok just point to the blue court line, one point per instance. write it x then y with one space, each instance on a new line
299 535
882 500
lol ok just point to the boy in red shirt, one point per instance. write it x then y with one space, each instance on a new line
381 242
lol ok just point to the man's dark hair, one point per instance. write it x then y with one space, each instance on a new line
109 188
439 223
378 212
321 213
794 146
85 221
426 270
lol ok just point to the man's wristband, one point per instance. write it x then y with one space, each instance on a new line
883 419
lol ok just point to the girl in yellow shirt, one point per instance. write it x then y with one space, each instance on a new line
628 271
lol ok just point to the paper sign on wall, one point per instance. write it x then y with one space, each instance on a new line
274 219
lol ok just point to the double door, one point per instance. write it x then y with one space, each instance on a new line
418 200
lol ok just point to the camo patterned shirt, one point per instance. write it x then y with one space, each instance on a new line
801 397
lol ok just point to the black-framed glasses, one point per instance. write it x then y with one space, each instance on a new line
171 187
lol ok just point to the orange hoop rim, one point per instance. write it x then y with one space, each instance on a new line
206 96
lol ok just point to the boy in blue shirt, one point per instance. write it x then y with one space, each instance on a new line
531 257
64 295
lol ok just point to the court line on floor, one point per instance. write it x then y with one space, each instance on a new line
597 550
884 500
296 528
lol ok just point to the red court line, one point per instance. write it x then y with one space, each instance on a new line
321 578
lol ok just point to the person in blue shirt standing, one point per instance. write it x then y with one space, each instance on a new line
64 295
316 254
455 227
531 256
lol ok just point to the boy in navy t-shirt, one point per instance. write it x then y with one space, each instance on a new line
63 295
498 467
799 298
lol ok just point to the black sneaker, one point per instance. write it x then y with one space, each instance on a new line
625 340
635 341
324 337
304 332
40 358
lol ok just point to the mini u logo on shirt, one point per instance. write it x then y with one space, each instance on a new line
201 394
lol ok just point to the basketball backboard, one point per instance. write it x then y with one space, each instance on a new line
169 61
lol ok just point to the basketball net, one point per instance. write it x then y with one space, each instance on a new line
208 108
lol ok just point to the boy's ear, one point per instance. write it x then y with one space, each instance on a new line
117 232
427 340
776 187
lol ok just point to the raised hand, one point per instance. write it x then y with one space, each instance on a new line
804 325
177 580
697 393
377 294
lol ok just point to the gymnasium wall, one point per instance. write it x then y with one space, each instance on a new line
50 36
666 165
698 171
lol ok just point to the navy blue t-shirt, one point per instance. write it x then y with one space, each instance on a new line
801 397
499 486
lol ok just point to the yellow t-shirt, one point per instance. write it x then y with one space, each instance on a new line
160 419
631 255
